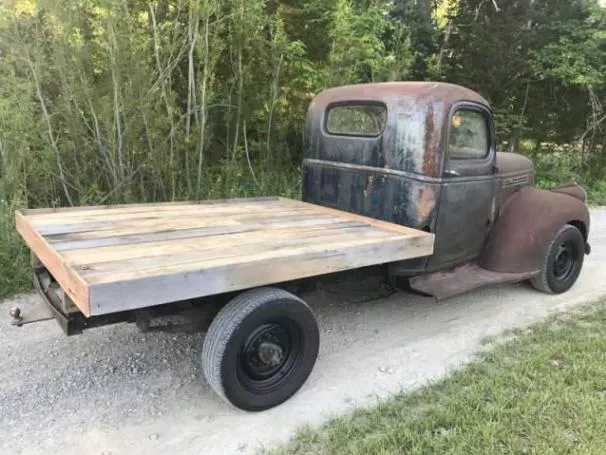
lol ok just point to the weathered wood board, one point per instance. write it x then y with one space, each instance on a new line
117 258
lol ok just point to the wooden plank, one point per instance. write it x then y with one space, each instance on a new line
184 211
164 223
93 239
78 231
363 219
244 248
147 219
72 284
207 279
262 238
135 227
294 250
146 205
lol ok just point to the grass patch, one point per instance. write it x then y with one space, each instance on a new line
542 392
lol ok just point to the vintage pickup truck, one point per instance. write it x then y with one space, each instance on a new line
402 177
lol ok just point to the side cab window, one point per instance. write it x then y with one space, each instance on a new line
367 120
469 137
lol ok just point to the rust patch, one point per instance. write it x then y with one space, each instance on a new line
571 189
446 284
426 202
418 113
528 221
429 157
426 91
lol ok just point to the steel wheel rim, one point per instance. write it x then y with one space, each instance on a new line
564 261
269 356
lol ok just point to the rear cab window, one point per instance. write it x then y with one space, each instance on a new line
366 120
469 137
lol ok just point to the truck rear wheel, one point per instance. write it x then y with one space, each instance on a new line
562 262
260 348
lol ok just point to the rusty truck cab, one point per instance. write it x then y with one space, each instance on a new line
400 152
423 155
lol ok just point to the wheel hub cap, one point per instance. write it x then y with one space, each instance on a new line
270 354
265 351
564 262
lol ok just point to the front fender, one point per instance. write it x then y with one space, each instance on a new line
526 224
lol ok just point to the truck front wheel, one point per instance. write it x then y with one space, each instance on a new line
260 348
562 262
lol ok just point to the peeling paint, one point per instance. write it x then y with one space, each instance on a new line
426 202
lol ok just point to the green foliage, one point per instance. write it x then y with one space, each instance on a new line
14 256
596 192
115 100
357 54
540 63
415 39
557 164
576 58
125 101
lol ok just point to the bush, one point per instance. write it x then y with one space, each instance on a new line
557 164
15 274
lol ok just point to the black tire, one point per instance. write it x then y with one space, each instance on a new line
260 348
562 262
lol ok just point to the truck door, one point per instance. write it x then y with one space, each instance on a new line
467 203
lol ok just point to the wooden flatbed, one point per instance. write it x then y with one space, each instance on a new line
118 258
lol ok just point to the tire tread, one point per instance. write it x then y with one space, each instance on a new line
540 282
224 325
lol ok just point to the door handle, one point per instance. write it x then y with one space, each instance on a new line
452 173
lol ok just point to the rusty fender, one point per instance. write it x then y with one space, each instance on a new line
526 225
571 189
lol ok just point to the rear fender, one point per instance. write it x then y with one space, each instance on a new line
527 223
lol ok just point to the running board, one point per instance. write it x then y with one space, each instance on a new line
443 285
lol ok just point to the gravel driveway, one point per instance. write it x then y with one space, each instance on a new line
114 390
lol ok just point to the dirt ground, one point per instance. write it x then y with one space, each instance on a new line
114 390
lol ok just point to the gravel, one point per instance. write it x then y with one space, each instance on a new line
115 390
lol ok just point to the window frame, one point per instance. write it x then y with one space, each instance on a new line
486 113
354 103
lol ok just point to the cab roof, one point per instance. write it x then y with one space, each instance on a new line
389 92
413 145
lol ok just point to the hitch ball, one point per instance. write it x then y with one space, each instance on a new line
15 313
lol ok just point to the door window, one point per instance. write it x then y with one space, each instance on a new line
469 135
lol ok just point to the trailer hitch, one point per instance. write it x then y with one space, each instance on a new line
15 314
37 314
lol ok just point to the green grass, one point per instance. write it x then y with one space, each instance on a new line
540 392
